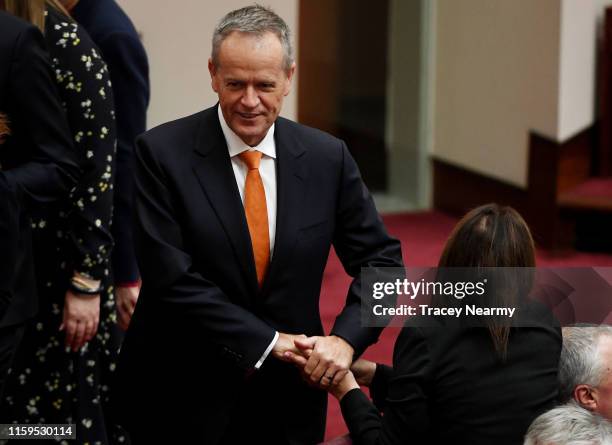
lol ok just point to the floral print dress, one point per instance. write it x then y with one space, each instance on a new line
48 383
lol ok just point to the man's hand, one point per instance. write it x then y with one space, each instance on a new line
81 318
364 371
126 298
286 344
327 363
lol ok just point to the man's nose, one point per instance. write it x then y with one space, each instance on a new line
250 98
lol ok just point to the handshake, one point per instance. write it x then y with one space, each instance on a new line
325 362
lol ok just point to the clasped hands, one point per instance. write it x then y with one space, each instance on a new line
325 362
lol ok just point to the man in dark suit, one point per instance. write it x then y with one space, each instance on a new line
38 165
236 211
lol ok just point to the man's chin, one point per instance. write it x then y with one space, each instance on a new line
251 136
251 131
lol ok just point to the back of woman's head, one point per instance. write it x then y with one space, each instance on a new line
489 236
493 236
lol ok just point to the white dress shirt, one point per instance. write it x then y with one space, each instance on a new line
267 171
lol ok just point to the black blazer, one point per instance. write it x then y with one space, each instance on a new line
201 323
447 385
38 161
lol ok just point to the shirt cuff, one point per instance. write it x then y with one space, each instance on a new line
267 351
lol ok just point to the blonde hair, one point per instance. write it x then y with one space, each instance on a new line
33 11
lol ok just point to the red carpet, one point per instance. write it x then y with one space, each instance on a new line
423 236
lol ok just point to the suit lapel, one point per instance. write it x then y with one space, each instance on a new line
213 167
291 180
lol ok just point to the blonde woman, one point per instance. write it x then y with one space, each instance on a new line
63 368
38 165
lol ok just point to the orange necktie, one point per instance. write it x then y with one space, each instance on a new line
256 213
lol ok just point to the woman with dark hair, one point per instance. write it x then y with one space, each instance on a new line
457 383
63 369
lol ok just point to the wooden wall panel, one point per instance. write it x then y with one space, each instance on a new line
553 169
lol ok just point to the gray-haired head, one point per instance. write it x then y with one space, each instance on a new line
580 362
256 20
569 425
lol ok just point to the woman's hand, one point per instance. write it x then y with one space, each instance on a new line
81 317
363 371
347 384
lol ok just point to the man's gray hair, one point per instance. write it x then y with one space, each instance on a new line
580 361
569 425
256 20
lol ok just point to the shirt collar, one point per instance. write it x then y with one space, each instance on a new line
235 145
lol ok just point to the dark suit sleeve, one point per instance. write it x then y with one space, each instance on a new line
52 169
129 71
178 290
361 241
405 418
380 384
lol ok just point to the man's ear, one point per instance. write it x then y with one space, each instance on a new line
290 74
214 81
583 394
